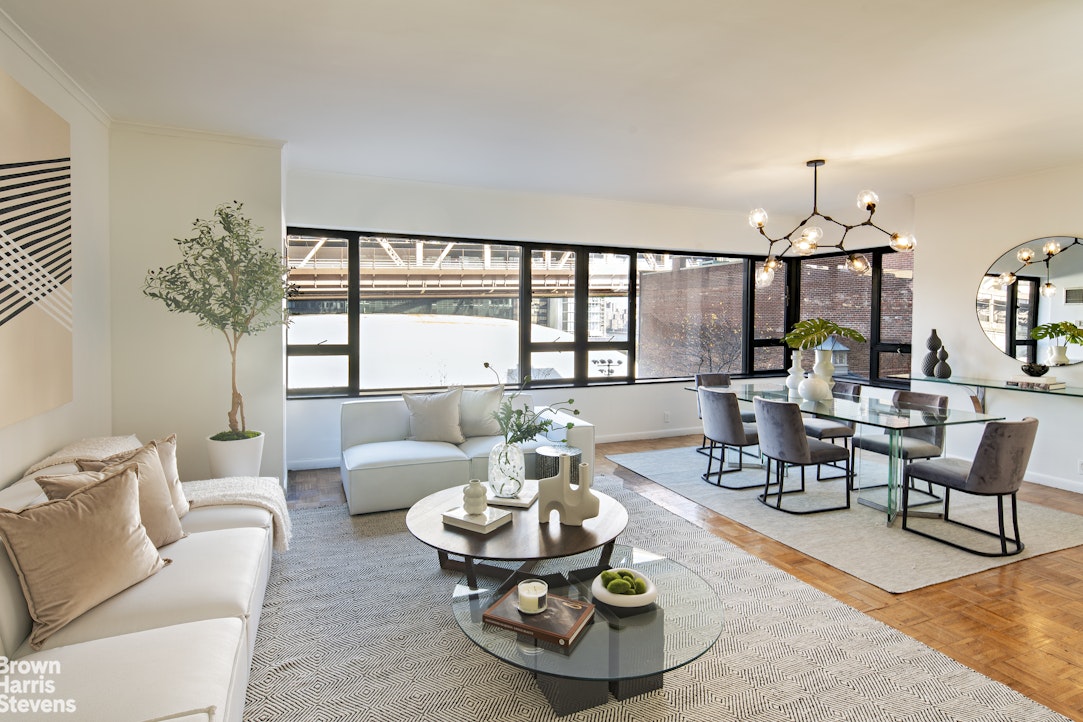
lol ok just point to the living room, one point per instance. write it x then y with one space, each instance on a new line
138 184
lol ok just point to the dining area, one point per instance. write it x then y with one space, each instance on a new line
877 448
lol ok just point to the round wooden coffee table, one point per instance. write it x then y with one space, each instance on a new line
523 539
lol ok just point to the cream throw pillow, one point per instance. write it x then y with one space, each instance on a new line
476 409
72 554
98 447
167 455
155 501
435 417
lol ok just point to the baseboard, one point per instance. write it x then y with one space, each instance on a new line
307 464
1056 482
651 434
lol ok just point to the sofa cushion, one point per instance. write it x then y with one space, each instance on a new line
383 454
214 574
155 501
435 417
476 409
94 448
71 554
199 667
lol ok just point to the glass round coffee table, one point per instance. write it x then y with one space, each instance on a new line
624 651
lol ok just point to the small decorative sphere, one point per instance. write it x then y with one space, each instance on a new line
1035 369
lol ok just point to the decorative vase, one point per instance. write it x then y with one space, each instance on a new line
942 370
823 367
928 364
507 470
573 504
1058 356
795 374
814 388
474 497
235 458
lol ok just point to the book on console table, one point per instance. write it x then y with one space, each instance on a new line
1034 382
562 622
526 496
481 523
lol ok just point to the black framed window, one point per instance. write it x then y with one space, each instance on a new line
384 312
1008 314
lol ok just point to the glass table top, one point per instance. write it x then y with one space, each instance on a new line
684 622
867 410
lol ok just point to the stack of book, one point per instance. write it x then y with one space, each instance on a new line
482 523
561 624
1042 383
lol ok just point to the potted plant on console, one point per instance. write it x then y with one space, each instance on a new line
234 285
1060 334
810 333
518 424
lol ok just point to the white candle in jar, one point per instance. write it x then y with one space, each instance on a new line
532 595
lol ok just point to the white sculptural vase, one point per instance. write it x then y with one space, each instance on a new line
507 470
793 380
573 504
814 388
1058 356
823 367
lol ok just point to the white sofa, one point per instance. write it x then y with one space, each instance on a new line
383 469
176 645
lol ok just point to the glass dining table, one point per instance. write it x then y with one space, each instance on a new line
875 414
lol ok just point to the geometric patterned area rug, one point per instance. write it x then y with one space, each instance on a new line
357 625
858 540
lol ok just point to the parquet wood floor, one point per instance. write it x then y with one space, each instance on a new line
1021 624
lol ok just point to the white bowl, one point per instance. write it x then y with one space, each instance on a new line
601 594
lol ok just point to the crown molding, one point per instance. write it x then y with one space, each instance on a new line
50 67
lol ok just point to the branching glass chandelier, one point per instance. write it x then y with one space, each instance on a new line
811 237
1027 257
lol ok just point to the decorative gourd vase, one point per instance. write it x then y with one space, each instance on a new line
823 367
507 470
474 497
942 370
814 388
795 374
928 364
1057 356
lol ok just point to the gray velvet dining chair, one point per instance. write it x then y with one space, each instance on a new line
997 470
831 430
715 378
724 428
783 441
914 444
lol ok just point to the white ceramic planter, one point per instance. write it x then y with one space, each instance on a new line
235 458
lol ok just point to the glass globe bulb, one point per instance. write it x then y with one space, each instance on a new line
812 234
1025 255
857 263
1006 279
902 242
804 247
1051 248
757 218
764 277
867 200
1047 289
772 263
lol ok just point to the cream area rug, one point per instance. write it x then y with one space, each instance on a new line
858 540
357 625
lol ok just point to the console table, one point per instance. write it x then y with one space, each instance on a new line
980 385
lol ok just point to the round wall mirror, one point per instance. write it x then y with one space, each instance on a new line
1037 283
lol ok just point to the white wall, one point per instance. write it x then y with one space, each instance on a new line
961 232
169 375
325 200
88 414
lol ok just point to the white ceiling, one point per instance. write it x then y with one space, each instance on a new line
710 103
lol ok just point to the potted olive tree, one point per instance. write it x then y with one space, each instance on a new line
234 285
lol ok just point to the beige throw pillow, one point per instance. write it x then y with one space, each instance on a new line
72 554
435 417
476 409
167 454
155 501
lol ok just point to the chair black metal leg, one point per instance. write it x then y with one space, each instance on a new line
1002 537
